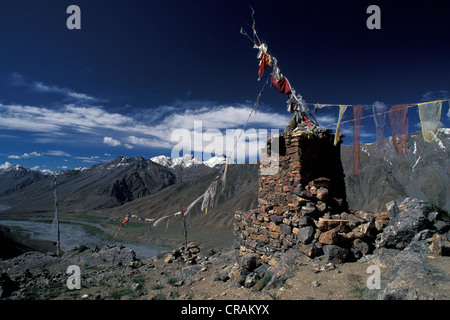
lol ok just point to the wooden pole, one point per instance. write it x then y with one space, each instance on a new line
56 219
184 228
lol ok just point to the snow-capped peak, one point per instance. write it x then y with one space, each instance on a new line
185 161
162 160
8 167
188 160
213 161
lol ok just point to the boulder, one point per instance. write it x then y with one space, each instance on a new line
361 246
305 234
330 237
240 274
248 261
413 278
405 224
311 249
335 254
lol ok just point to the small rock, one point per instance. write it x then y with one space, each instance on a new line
179 283
84 296
169 258
315 283
440 245
251 279
322 194
135 264
240 274
335 254
136 286
361 246
381 224
305 234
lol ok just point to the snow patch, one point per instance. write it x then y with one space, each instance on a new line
415 164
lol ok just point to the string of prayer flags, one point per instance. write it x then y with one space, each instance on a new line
430 116
295 103
342 109
398 120
208 201
357 115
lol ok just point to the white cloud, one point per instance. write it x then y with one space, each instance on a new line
57 153
25 155
5 166
147 142
66 92
327 120
141 129
111 142
91 159
436 95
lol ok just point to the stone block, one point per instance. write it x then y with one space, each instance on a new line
329 237
335 254
305 234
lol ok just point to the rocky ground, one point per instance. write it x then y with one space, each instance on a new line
114 273
412 254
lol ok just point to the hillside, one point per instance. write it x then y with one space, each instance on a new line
423 173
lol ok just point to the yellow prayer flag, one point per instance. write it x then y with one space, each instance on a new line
342 109
430 116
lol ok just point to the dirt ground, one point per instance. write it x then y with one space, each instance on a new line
160 280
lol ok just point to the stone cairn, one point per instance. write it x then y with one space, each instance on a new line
303 204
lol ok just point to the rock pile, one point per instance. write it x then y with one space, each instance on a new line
413 227
302 205
188 255
340 238
37 276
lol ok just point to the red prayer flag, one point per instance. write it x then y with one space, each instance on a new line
398 120
282 85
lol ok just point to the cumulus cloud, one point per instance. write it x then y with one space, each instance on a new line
5 166
142 129
25 155
111 142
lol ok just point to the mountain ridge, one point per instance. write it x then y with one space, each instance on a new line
423 173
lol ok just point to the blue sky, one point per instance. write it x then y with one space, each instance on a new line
139 72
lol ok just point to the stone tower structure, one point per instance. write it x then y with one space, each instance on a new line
306 183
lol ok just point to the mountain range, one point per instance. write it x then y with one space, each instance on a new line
161 185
